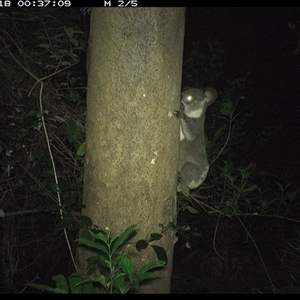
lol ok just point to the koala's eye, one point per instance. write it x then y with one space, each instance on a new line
189 98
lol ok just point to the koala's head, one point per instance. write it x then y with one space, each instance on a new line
195 101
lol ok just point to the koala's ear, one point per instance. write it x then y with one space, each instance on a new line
210 95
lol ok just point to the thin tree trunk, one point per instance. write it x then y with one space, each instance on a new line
132 139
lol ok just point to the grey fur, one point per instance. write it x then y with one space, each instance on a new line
193 163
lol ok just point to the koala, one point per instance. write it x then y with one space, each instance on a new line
193 163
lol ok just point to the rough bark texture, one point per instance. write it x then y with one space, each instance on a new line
132 139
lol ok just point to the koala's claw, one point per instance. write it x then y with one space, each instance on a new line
179 113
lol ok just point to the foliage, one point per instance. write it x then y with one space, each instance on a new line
42 145
237 193
73 285
111 267
42 86
297 37
291 261
235 184
24 152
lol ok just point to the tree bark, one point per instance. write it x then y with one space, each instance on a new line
132 138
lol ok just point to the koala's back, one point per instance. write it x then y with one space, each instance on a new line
194 152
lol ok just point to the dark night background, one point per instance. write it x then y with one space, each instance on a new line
259 46
259 41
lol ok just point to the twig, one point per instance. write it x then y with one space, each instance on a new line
262 261
40 80
215 235
24 212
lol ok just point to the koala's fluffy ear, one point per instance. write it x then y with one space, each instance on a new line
210 95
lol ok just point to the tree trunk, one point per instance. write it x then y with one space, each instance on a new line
132 138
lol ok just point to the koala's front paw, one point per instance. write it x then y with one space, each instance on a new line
179 113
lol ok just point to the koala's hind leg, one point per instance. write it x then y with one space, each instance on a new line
191 176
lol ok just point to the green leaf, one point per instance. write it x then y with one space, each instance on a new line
81 149
192 210
72 131
292 195
227 107
127 267
121 285
146 275
173 226
143 272
152 265
93 245
77 286
85 222
47 288
227 212
155 237
54 187
219 132
61 282
39 114
99 236
79 32
74 42
235 206
75 279
1 213
141 245
185 192
32 113
160 253
69 31
65 63
68 201
62 286
95 278
266 203
122 238
46 46
230 178
63 223
280 186
250 188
